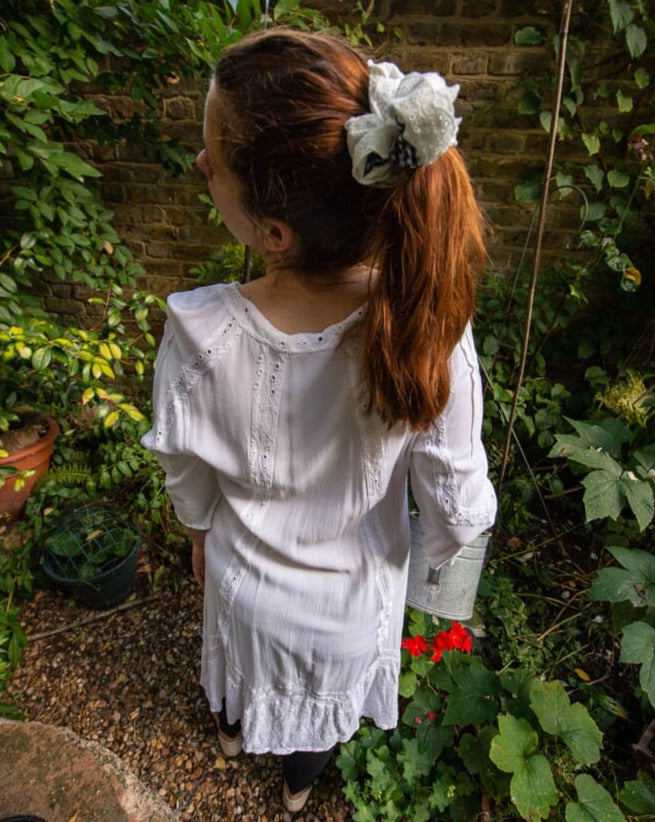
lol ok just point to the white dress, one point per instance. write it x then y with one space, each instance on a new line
265 443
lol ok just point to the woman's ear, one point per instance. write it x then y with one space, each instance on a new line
278 236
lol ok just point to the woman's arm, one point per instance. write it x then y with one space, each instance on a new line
197 538
448 466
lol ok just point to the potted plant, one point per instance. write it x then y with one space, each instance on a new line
67 283
25 451
91 552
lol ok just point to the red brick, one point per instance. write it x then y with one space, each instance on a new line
422 59
194 252
113 192
517 62
435 7
159 250
469 34
479 90
506 142
180 108
477 8
469 63
421 32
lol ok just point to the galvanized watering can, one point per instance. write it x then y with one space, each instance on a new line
448 591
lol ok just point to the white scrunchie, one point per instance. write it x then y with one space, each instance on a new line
412 122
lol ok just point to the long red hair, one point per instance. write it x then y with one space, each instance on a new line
288 95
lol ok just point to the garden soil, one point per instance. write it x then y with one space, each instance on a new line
128 680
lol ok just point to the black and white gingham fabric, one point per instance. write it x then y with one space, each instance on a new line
403 154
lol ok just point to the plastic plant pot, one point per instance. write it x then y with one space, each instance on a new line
92 554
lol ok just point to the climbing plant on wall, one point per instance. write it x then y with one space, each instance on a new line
87 369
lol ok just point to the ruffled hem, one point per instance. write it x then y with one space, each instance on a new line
283 722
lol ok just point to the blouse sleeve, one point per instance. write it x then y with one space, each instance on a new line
448 467
192 484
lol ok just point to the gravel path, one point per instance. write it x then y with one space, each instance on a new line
129 681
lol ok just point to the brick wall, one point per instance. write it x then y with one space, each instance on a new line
159 216
471 42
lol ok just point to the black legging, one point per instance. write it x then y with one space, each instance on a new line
300 768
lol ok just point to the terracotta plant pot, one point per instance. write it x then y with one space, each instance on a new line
35 457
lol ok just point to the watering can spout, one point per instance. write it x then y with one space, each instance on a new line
448 591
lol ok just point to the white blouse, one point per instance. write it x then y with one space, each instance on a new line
265 443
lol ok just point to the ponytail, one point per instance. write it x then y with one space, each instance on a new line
429 255
285 128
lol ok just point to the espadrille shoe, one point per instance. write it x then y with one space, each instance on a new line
294 802
230 745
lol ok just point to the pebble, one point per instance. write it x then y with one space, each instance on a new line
132 685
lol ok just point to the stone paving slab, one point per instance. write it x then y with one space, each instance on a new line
53 773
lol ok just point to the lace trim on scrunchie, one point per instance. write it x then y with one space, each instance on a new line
411 123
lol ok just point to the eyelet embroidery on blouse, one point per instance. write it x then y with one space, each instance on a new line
445 482
189 373
265 406
311 719
258 326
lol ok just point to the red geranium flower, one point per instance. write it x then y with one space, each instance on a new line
460 637
456 638
415 645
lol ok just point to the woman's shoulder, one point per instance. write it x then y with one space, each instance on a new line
206 299
196 315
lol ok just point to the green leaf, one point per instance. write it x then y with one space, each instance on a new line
528 191
639 795
646 456
621 13
603 496
594 803
581 735
513 750
530 103
473 700
474 753
641 564
515 741
636 40
528 36
546 120
636 586
638 647
595 175
434 738
407 684
617 179
564 183
414 760
7 59
474 750
593 211
447 785
75 166
639 494
533 789
642 77
418 623
623 101
378 768
41 358
572 723
598 460
592 143
609 434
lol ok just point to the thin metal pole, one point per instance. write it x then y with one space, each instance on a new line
564 33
